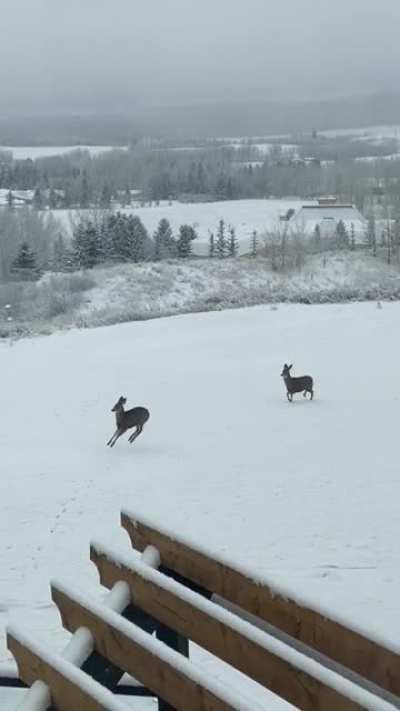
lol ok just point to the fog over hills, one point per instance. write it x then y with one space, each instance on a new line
197 68
211 119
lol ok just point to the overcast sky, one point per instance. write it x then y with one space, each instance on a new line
110 55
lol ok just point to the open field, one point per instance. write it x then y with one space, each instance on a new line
305 494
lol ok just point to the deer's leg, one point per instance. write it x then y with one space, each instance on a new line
133 435
289 396
111 438
116 436
136 433
311 394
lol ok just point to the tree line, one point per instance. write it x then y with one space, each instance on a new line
116 238
214 172
31 242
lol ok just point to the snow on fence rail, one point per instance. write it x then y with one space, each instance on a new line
369 658
170 590
63 685
284 671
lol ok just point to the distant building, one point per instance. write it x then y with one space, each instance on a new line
327 213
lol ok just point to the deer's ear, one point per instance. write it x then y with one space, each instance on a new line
290 366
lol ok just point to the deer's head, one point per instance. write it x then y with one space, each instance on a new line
286 370
119 405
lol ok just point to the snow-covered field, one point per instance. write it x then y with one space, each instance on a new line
266 148
33 152
244 215
305 494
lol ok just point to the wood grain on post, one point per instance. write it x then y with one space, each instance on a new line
197 623
371 660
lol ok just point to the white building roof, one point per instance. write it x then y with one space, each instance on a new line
327 217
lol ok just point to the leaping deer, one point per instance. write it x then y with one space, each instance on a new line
304 384
136 417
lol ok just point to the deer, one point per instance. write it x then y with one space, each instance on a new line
304 384
126 419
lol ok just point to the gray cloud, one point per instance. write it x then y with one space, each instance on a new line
110 55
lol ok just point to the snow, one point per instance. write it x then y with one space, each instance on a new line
34 152
304 494
151 557
36 698
244 215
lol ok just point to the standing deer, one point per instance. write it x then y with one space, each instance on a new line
136 417
304 384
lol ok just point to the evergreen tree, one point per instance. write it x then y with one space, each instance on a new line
165 245
232 247
371 234
396 238
220 188
230 189
191 179
200 179
389 241
78 244
121 237
126 198
63 257
137 238
342 237
10 199
85 192
352 237
254 243
221 240
53 199
184 243
211 251
24 266
317 238
38 199
106 238
87 251
105 197
68 196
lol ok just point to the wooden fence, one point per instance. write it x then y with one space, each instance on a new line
181 593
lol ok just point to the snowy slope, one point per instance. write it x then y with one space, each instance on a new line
306 494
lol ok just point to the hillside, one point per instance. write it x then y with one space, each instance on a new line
136 292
